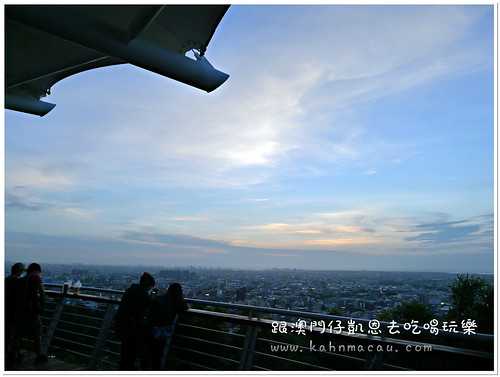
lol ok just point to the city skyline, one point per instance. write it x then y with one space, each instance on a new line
347 137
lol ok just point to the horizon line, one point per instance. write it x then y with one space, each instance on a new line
262 268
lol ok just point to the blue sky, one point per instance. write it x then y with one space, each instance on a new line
347 137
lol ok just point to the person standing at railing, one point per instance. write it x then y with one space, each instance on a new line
10 303
30 301
130 322
160 319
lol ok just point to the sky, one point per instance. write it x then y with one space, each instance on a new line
347 137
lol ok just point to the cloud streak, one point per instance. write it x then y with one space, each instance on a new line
161 249
453 232
25 202
366 232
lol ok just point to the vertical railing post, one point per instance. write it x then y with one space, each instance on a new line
375 360
247 353
101 339
168 341
47 339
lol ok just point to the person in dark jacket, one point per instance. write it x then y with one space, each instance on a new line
130 322
10 301
160 319
30 300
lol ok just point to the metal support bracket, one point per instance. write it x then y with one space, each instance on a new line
101 339
47 339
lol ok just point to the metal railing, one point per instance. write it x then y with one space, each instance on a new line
225 336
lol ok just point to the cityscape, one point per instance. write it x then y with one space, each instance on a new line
356 294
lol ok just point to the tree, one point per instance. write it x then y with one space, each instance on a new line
408 311
336 311
472 298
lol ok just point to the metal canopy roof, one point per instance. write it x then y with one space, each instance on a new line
47 43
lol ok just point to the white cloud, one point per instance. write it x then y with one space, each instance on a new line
274 107
191 219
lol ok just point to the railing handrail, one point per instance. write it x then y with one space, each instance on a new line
328 317
262 309
92 289
379 339
251 320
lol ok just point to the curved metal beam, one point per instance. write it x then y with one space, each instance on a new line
67 23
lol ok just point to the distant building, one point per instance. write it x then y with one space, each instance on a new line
241 294
177 275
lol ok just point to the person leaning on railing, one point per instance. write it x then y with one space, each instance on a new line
130 322
159 321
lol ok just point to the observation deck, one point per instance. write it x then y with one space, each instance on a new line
78 332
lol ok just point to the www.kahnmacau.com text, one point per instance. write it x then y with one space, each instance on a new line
341 348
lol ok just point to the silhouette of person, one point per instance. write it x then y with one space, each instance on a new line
160 319
130 322
30 299
10 301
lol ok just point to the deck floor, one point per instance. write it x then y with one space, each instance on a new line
53 364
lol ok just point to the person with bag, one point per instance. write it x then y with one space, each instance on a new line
30 300
130 323
160 319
